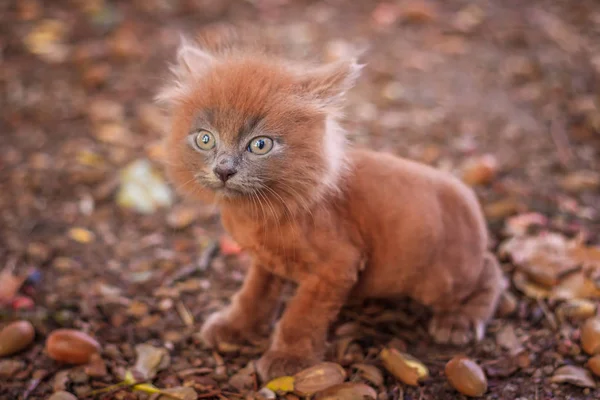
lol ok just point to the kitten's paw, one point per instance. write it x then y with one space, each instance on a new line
219 328
456 329
274 364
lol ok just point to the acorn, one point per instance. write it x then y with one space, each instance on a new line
590 336
466 376
16 337
71 346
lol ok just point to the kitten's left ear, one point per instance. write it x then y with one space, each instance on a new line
192 61
329 83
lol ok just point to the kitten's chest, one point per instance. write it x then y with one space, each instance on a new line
278 247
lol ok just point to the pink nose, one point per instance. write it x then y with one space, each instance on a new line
224 173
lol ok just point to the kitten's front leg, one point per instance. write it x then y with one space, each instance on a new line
300 337
251 307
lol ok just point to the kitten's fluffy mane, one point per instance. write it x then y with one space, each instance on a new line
320 87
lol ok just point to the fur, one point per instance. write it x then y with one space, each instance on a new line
337 221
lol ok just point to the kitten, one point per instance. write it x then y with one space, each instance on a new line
259 136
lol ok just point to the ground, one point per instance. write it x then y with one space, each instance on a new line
508 90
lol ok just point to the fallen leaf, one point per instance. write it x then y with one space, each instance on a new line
283 384
150 360
81 235
142 188
574 375
370 373
508 340
45 41
244 378
404 367
318 377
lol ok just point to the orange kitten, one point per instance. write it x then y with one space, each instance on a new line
259 136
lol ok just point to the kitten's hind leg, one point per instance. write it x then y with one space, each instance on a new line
466 321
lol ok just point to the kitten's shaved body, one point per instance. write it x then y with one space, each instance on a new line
338 222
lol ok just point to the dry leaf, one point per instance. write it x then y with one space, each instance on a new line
318 377
574 375
404 367
370 373
507 339
283 384
142 188
150 360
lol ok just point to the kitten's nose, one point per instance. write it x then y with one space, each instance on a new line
224 172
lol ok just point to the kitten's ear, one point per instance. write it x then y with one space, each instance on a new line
192 61
329 83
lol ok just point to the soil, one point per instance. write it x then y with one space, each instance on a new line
449 83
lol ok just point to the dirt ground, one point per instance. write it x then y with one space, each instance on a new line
505 94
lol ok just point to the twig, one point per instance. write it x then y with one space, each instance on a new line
203 262
561 141
185 314
33 384
212 393
549 317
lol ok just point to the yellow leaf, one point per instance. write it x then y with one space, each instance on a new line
147 387
81 235
129 379
282 384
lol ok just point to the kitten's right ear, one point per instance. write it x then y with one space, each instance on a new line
329 83
192 62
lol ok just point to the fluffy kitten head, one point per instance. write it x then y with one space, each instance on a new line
250 128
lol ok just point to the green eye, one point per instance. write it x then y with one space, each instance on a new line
260 145
204 140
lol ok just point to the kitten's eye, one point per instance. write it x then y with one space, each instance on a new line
260 145
204 140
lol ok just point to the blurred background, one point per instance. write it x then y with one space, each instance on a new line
504 94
